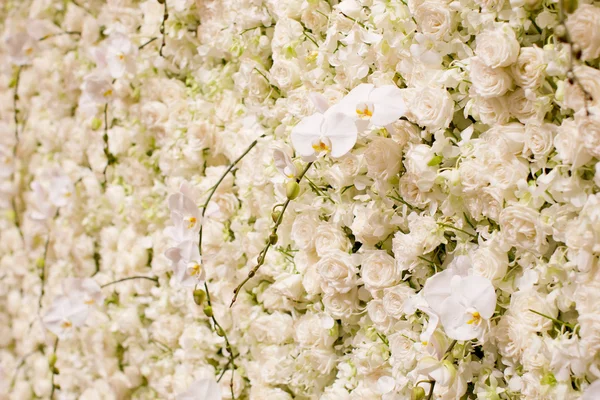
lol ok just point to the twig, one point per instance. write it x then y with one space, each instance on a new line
147 43
59 34
43 273
54 371
110 158
263 254
16 108
221 332
430 396
162 27
457 229
150 278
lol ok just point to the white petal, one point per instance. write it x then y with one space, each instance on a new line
303 134
203 389
454 319
341 130
478 292
319 101
388 105
437 289
359 94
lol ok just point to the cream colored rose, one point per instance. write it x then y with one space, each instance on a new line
285 74
341 305
379 270
497 47
490 5
309 331
570 146
493 110
525 109
432 108
377 313
539 139
490 262
589 131
338 272
522 227
529 70
394 299
403 132
384 158
489 82
434 18
303 231
589 78
330 238
584 28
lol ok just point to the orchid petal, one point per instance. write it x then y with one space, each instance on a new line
437 289
340 129
319 101
478 292
303 134
389 105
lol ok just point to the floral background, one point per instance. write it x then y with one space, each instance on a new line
448 252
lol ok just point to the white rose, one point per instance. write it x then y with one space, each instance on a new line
330 238
584 29
341 305
275 328
432 108
285 33
371 224
589 78
309 331
377 313
394 299
410 191
490 262
312 281
338 272
434 18
570 146
539 139
529 70
289 286
404 132
493 110
589 132
524 108
522 228
379 270
490 5
403 350
505 138
285 74
488 82
384 158
498 47
303 231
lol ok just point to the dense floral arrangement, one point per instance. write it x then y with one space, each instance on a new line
300 199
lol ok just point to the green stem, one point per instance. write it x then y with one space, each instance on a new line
162 29
147 43
54 371
457 229
263 254
555 320
430 396
150 278
59 34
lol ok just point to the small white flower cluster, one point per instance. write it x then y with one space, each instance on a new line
300 199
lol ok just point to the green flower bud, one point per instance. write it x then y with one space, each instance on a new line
220 331
40 262
418 393
275 216
292 190
199 296
52 360
208 311
273 238
96 124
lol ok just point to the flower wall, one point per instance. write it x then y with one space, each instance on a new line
299 199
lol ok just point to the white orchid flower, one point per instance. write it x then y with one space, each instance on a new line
120 55
96 89
203 389
284 164
65 314
21 47
85 290
464 303
373 106
186 263
332 133
50 191
185 215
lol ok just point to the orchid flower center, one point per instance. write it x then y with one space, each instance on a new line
364 110
475 318
89 302
321 145
121 56
66 324
191 222
29 51
108 93
195 270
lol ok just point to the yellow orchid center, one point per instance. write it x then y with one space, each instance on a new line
89 302
108 93
476 318
66 324
29 51
121 56
321 145
192 222
195 270
364 110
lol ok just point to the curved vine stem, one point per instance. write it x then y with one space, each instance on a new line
263 253
15 147
162 27
54 371
220 329
110 158
221 332
150 278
